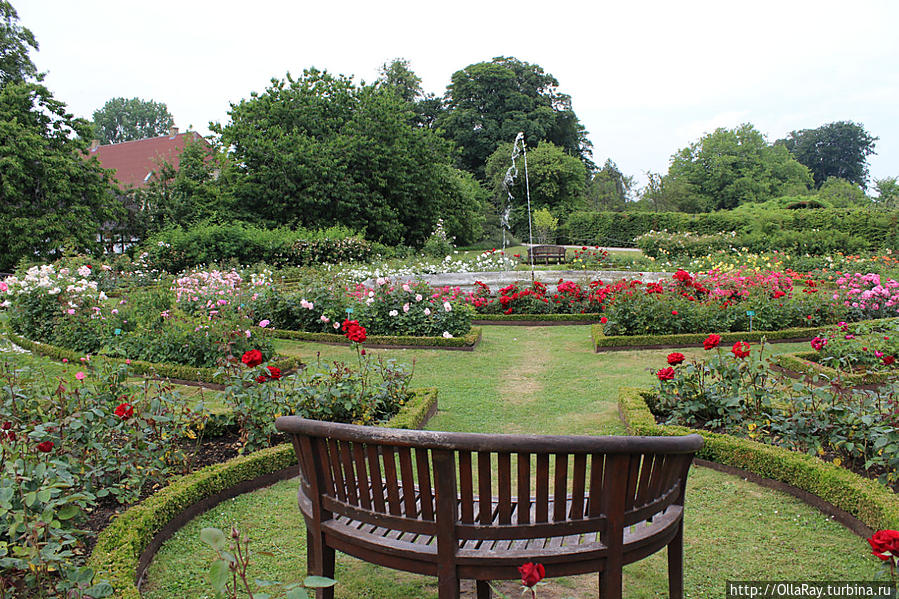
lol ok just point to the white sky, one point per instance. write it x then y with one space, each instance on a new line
646 77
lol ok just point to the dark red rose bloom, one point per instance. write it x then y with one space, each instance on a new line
665 374
124 411
353 331
740 349
252 358
274 373
6 425
888 360
712 341
531 574
675 358
603 320
883 542
45 446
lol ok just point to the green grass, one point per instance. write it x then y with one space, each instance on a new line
543 380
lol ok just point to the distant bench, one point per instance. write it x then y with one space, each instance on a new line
546 254
457 511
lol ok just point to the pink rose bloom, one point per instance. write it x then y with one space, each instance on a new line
79 375
405 307
264 323
70 311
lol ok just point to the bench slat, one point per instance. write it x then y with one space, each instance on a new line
560 488
466 487
374 477
541 514
423 465
524 488
390 481
362 476
408 480
485 488
579 477
504 481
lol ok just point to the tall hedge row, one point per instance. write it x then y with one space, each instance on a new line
878 228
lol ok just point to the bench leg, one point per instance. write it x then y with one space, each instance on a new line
484 590
610 583
676 564
319 562
447 583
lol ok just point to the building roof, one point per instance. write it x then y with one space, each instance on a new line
135 162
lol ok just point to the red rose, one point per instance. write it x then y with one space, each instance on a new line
274 373
124 410
353 331
604 320
252 358
261 378
45 446
531 574
740 349
6 425
712 341
665 374
884 544
675 358
674 312
888 360
362 351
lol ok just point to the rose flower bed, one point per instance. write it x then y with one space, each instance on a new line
718 301
535 298
734 393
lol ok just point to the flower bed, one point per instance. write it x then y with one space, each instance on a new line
127 545
872 503
535 298
603 342
536 319
465 343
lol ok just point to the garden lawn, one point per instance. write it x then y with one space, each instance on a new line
541 380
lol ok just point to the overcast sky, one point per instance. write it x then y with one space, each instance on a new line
646 77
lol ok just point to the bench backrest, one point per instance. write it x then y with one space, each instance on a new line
478 486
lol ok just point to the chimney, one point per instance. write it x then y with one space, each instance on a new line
173 131
95 143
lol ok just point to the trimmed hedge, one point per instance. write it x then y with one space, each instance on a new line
579 318
623 342
172 371
120 545
468 341
804 363
880 229
867 500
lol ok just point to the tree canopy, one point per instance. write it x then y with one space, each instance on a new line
123 119
488 103
51 197
609 188
15 44
318 150
731 166
838 149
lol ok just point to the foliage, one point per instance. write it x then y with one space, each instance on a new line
609 188
732 166
545 225
122 119
489 103
872 346
840 193
556 181
52 198
839 149
438 244
412 309
176 249
321 151
677 246
463 205
15 41
233 560
887 192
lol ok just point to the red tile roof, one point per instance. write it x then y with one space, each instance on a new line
135 161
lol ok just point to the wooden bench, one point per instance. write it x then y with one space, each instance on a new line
546 254
477 506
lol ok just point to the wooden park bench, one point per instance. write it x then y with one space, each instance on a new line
477 506
546 254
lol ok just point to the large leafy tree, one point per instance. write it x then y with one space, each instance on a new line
556 181
15 44
397 76
731 166
51 197
319 150
838 149
123 119
488 103
609 188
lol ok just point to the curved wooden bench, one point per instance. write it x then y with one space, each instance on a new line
475 506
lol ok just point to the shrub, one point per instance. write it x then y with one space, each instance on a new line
413 309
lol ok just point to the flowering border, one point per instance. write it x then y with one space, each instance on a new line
120 554
874 505
535 319
804 363
624 342
465 343
159 369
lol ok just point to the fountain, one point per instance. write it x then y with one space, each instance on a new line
519 148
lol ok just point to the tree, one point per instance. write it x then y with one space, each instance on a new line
731 166
462 205
319 151
556 181
609 188
52 198
887 191
838 149
397 76
841 193
488 103
126 120
15 41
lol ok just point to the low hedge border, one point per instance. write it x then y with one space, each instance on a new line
873 504
161 370
125 548
535 319
464 343
803 363
624 342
